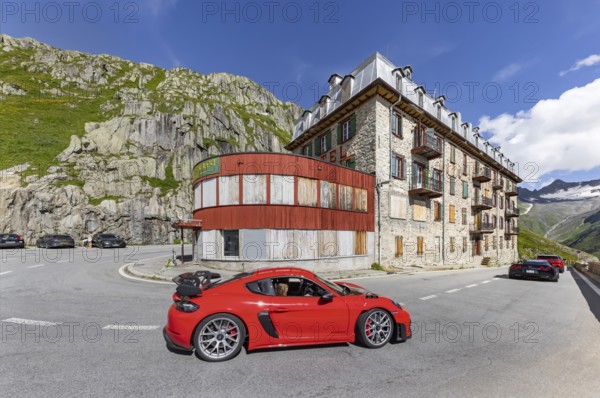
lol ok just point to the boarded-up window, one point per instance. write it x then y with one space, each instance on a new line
437 211
452 244
494 242
328 246
397 206
360 243
464 215
360 199
399 246
487 245
255 189
328 195
307 192
282 190
229 190
465 243
345 243
420 245
419 209
198 196
345 197
452 214
209 192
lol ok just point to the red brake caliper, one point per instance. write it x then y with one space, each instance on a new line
368 331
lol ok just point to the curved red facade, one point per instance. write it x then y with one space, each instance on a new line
358 217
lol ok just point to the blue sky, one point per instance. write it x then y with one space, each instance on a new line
502 64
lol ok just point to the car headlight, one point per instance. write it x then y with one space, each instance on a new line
397 304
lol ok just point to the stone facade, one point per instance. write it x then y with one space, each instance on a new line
415 226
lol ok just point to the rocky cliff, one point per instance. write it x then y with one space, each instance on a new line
100 143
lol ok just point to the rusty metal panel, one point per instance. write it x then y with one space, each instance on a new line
255 189
198 196
229 190
282 190
345 197
307 192
209 192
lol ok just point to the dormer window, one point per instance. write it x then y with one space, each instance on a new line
439 111
421 96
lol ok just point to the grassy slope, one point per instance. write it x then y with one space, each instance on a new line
531 244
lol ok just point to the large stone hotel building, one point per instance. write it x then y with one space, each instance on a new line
380 172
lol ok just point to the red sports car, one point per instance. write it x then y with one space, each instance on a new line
277 307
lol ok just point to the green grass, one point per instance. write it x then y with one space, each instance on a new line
531 244
166 185
77 183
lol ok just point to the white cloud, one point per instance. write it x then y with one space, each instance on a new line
555 134
581 63
157 7
508 71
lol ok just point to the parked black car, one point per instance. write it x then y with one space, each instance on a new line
106 241
539 269
56 241
12 241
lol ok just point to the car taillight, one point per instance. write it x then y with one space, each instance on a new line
186 306
516 266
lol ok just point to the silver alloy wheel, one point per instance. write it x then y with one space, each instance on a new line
378 328
219 338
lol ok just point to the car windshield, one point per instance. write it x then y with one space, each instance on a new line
549 257
336 288
108 236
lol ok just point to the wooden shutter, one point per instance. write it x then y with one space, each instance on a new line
317 145
420 244
403 168
399 246
452 214
360 243
352 125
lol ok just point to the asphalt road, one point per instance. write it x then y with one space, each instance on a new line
475 333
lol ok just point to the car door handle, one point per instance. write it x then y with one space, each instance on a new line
279 309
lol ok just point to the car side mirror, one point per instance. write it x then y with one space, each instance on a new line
326 296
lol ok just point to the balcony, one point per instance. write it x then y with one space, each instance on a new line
429 187
481 228
481 203
427 145
482 174
497 183
511 231
512 212
511 190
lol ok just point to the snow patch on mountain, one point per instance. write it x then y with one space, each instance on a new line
578 192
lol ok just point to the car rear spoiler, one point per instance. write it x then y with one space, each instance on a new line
191 284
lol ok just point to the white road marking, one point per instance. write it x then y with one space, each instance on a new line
590 283
429 297
29 322
130 327
473 285
486 282
37 265
135 278
5 272
452 290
